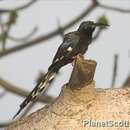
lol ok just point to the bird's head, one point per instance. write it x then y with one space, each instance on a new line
89 26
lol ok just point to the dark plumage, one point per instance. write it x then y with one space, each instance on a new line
74 43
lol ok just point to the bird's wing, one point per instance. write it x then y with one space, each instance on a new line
68 47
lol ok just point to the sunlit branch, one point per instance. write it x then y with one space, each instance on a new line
25 38
112 8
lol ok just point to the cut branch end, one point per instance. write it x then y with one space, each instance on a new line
83 73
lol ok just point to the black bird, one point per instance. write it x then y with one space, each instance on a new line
74 43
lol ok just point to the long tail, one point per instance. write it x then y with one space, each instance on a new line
40 87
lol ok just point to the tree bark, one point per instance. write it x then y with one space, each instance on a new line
79 104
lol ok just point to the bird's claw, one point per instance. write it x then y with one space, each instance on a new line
76 57
80 55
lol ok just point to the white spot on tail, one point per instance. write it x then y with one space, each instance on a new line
61 57
43 86
52 76
34 94
56 60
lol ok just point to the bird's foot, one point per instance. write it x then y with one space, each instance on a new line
80 55
76 57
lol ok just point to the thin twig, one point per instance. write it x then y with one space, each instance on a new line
5 35
21 92
25 38
60 29
49 35
1 24
121 10
18 8
127 82
115 68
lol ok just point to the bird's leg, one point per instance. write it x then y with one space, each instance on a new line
80 55
75 58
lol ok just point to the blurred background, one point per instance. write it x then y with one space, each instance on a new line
32 30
